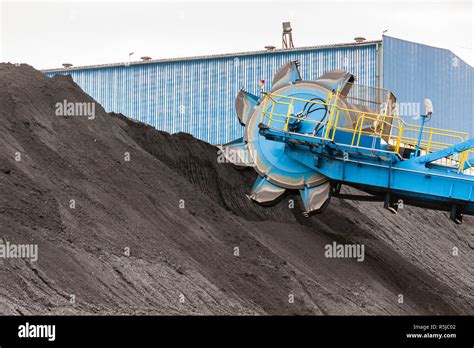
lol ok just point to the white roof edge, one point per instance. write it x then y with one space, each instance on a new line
215 56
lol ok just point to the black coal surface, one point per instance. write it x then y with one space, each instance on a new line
159 233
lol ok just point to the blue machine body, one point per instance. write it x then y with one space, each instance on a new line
379 172
315 136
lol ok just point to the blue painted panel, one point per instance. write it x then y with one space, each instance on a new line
197 96
414 72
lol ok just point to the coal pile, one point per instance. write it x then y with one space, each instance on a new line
131 220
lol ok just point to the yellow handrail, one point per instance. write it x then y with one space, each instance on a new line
401 135
331 113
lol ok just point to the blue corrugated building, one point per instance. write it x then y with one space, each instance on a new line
414 71
190 94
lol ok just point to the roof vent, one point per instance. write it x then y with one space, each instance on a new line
359 39
145 58
67 65
269 47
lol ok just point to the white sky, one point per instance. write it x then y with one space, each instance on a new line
46 34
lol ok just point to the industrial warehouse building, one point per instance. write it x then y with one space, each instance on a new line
196 94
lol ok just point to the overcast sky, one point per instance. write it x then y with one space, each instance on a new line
46 34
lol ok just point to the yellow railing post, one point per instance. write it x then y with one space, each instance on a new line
399 139
428 147
356 127
264 108
271 114
331 114
463 157
336 122
362 116
290 106
385 115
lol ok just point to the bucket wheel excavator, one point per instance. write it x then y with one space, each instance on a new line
316 136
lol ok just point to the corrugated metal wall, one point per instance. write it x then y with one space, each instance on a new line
414 72
197 96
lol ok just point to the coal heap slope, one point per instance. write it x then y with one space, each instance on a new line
130 220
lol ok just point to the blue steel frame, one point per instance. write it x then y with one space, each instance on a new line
384 172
